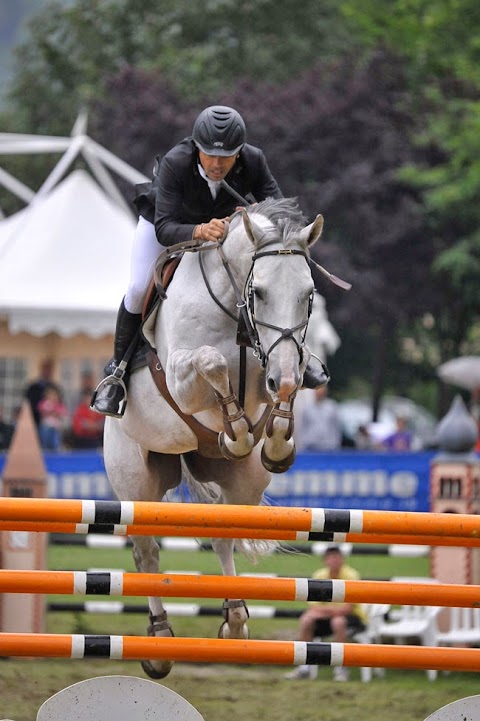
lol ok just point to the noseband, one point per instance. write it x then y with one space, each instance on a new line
254 322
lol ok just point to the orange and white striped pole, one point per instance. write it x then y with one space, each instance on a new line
255 533
307 520
207 650
118 583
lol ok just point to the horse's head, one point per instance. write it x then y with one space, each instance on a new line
279 290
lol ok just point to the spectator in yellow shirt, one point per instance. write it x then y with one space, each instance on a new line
339 620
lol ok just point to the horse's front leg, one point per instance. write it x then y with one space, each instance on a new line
278 451
198 379
146 557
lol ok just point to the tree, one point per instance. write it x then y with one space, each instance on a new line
201 48
445 79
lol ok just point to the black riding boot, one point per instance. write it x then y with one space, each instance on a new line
316 374
110 396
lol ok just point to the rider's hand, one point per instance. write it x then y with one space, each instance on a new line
213 230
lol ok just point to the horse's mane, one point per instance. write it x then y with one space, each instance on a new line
283 213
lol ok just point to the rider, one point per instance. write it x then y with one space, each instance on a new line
185 201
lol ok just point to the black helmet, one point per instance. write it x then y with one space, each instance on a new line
219 130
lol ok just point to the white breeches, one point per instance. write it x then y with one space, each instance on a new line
145 251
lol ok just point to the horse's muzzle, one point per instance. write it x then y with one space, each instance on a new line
281 387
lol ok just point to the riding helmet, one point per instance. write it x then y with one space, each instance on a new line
219 130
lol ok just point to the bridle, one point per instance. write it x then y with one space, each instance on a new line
284 333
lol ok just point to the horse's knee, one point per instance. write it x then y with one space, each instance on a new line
210 364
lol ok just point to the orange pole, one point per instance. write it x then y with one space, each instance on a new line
160 530
148 513
206 650
416 657
209 650
392 539
117 583
436 524
256 533
233 516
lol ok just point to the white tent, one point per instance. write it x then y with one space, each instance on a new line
64 261
64 258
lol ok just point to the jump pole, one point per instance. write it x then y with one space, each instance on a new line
239 516
255 534
207 650
118 583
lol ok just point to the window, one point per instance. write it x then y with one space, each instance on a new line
13 380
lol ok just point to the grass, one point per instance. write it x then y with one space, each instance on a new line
234 692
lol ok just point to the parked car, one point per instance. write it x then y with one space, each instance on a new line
357 412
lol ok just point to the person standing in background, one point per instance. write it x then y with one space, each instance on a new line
320 427
35 392
400 439
53 413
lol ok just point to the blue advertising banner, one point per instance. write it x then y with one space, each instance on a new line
345 479
352 479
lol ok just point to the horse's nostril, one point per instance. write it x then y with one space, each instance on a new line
271 384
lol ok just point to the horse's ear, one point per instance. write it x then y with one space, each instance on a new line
253 231
312 232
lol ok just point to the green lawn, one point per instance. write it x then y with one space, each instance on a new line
233 692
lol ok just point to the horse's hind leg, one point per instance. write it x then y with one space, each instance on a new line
146 557
139 475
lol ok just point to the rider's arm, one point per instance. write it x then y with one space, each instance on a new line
168 208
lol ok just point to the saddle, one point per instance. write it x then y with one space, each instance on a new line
152 300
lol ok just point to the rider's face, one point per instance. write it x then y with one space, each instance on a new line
216 167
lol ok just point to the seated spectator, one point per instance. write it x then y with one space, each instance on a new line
87 425
319 424
401 439
53 413
331 618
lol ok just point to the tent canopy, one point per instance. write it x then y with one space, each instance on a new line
64 261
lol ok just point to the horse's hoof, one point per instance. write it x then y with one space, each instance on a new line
226 452
279 466
245 631
152 672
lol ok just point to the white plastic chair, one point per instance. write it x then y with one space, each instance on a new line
375 613
123 698
464 628
413 621
466 709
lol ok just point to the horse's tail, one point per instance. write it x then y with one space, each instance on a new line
210 492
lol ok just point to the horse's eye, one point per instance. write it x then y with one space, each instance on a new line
259 293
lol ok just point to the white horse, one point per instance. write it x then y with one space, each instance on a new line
261 271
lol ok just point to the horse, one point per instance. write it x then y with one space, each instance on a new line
257 277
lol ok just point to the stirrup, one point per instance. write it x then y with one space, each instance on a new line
110 396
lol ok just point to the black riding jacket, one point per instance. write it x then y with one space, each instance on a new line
178 198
